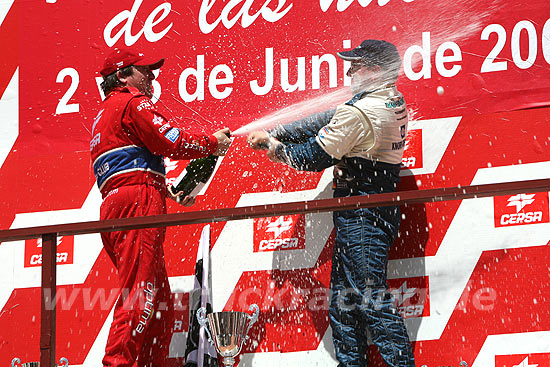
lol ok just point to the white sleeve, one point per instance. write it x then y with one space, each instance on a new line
344 132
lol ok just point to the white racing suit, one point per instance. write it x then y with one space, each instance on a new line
365 139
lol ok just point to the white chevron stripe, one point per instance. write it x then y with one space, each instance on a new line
451 268
5 6
9 114
233 252
509 344
436 136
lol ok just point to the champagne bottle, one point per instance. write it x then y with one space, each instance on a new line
196 174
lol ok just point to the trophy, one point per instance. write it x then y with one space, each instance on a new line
229 329
16 362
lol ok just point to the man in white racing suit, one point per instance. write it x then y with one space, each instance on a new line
364 140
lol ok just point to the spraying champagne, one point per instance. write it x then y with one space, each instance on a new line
195 176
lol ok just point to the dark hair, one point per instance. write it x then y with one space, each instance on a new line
111 81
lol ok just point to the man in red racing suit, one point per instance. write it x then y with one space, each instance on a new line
129 142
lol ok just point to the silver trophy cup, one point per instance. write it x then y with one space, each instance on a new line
230 330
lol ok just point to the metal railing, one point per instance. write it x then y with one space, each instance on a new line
49 233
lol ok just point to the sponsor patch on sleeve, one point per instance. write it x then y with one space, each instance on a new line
321 136
172 134
395 102
145 104
157 120
323 132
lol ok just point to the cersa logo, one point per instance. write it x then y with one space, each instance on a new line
521 209
286 232
33 251
523 360
412 156
411 296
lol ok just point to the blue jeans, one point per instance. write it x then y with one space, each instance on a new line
360 300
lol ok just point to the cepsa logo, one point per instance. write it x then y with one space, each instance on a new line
523 360
279 233
33 251
411 296
521 209
412 156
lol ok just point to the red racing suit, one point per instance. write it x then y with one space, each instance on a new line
129 142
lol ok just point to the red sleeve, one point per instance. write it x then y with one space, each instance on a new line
164 137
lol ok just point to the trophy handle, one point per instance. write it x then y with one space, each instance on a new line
201 318
64 362
15 362
253 318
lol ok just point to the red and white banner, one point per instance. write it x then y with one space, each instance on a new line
470 276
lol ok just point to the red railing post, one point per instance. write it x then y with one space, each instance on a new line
47 314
